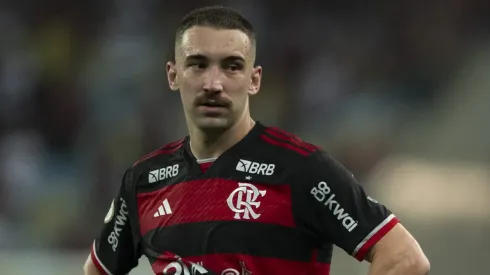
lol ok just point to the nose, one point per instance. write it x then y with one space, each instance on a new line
213 80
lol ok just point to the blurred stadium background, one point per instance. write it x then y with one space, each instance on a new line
399 91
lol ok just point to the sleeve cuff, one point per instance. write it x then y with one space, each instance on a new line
372 238
98 264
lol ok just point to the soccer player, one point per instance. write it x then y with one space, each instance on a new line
236 196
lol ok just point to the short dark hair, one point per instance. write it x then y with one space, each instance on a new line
217 17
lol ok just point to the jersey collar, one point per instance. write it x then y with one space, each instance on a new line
229 154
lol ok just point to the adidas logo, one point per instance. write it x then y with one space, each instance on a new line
163 210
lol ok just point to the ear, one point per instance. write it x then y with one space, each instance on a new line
255 81
173 82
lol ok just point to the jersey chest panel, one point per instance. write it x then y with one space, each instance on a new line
241 207
215 200
235 217
222 224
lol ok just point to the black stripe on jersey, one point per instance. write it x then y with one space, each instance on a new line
251 238
324 255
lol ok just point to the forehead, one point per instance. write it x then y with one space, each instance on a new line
214 42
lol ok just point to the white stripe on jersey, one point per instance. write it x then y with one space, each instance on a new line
99 262
373 232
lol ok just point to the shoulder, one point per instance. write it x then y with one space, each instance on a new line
310 160
287 143
159 156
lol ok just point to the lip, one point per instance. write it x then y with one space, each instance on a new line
211 110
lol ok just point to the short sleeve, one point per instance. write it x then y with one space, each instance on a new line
115 251
331 206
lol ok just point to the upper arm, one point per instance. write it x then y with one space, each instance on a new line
116 249
89 268
398 244
334 208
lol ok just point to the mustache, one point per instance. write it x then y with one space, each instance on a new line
210 100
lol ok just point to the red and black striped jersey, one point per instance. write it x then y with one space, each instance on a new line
271 204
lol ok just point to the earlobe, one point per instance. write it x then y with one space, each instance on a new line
255 81
172 76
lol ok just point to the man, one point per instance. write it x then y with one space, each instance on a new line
235 196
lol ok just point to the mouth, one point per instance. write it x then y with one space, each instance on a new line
213 104
212 108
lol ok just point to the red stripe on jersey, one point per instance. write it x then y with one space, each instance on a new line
242 264
205 166
99 265
375 236
283 135
167 149
215 200
284 144
174 144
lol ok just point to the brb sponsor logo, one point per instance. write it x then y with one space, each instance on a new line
163 173
255 167
324 194
119 223
243 201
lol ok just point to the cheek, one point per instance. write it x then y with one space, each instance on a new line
187 98
238 94
189 81
189 87
237 86
187 92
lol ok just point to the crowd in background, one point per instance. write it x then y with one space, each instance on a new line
83 91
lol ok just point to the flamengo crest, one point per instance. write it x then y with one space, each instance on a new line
243 201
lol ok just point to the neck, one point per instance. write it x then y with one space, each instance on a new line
206 144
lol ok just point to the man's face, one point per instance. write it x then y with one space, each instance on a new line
215 75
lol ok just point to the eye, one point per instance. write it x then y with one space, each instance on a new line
234 67
200 65
197 65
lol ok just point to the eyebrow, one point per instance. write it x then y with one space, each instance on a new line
234 58
196 57
201 57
